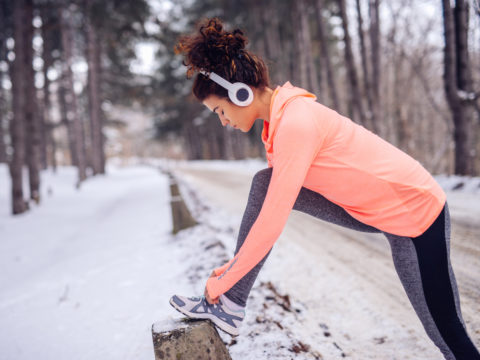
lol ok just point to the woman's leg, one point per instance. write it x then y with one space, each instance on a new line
423 265
307 201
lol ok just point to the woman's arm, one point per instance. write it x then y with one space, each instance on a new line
296 144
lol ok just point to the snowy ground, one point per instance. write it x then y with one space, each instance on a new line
86 274
353 303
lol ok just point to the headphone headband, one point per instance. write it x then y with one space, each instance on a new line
239 93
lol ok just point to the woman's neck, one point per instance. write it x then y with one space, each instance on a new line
264 97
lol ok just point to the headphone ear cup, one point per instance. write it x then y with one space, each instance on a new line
240 94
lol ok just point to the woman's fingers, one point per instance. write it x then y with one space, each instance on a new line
209 299
207 295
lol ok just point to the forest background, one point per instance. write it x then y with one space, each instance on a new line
86 80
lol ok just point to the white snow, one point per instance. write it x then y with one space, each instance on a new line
87 273
465 95
84 274
457 183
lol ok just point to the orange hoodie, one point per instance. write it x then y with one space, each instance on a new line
310 145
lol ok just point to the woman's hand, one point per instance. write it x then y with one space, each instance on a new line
207 295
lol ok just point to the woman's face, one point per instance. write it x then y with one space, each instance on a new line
238 117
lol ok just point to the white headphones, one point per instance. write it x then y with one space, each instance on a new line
239 93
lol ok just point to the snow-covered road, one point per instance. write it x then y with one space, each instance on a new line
346 278
84 275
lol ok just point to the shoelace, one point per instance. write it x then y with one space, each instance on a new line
206 304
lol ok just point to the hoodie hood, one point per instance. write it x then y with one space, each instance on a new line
280 99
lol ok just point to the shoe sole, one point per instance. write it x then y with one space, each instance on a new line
225 328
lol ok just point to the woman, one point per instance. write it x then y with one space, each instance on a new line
323 164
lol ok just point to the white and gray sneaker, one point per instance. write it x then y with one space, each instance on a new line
197 307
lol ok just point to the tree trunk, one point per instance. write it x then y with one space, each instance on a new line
217 140
259 147
42 128
257 32
71 98
458 84
3 110
366 74
401 124
300 74
3 99
325 55
41 112
273 41
307 46
94 96
17 131
275 60
376 109
192 140
62 102
465 86
32 128
47 63
289 47
357 114
309 75
239 144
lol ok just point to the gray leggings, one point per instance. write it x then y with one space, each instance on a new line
422 264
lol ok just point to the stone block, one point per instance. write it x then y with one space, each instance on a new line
188 339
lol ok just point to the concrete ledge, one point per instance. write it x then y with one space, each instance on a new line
181 216
188 339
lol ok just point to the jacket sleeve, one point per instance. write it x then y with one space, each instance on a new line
296 144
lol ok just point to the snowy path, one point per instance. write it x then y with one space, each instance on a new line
347 279
83 276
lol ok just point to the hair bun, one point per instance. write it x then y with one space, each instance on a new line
220 42
212 47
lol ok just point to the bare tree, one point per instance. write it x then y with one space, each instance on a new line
48 27
3 110
32 126
71 99
273 37
275 48
309 75
458 84
376 105
192 140
300 76
94 95
217 141
402 126
273 40
17 127
3 100
357 113
325 55
62 104
365 69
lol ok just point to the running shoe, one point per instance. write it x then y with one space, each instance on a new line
197 307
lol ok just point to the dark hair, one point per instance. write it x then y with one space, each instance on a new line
213 49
